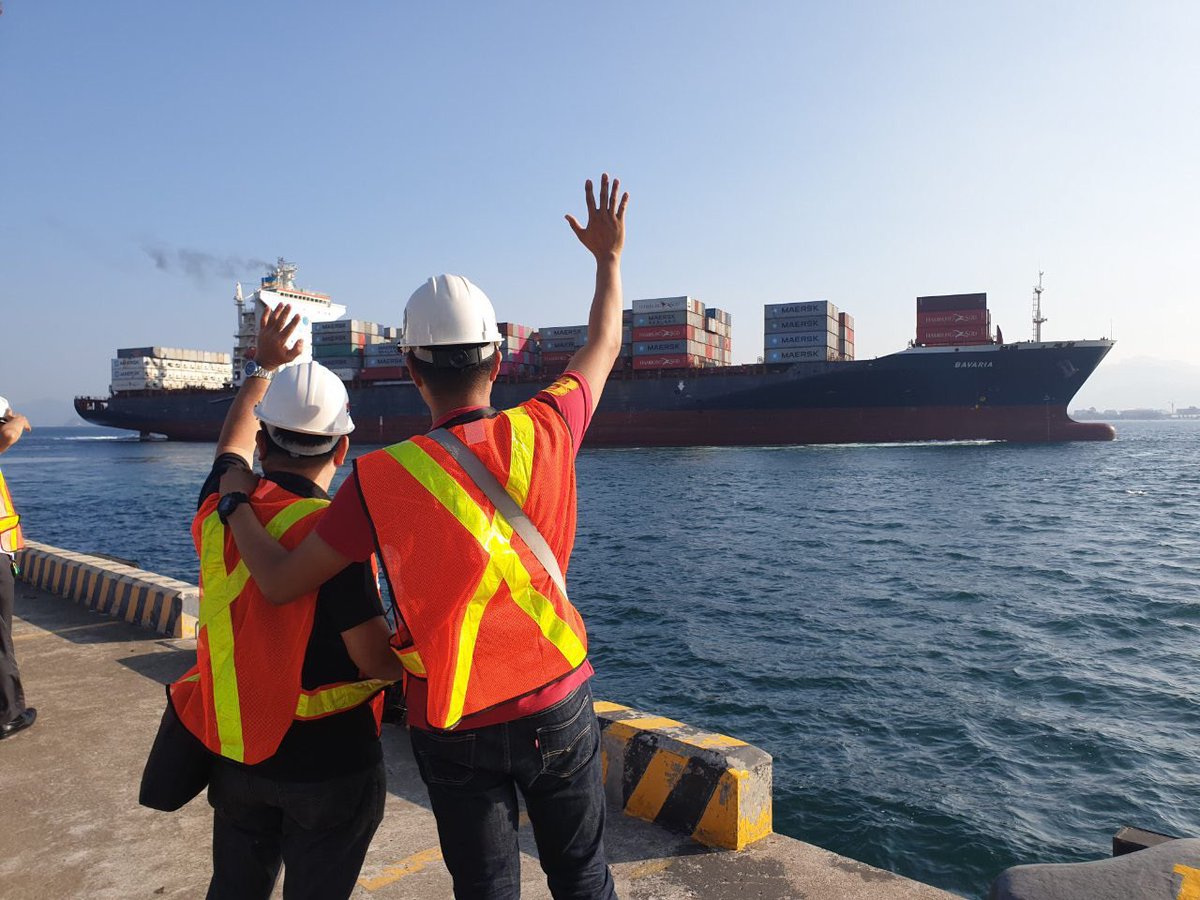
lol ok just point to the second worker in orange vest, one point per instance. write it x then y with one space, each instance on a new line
287 699
475 523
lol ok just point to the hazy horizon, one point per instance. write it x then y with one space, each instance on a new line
861 153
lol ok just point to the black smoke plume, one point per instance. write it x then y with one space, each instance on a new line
201 267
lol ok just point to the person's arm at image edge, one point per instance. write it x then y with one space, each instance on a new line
14 426
604 237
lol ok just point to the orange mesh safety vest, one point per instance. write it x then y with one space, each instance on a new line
11 539
245 690
486 622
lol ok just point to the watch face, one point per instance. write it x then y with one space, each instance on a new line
250 367
227 504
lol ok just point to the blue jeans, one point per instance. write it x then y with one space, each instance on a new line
553 757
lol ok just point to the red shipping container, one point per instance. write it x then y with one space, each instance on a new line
667 361
666 333
942 335
384 373
953 317
550 358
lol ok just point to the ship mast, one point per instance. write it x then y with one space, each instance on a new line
1038 318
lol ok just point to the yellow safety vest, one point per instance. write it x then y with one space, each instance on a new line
11 538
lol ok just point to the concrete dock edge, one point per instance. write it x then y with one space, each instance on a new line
143 598
711 786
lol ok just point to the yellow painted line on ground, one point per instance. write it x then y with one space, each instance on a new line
651 867
604 706
1190 888
651 722
410 865
716 740
41 633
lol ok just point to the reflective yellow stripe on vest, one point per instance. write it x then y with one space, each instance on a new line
221 588
336 697
494 536
8 515
411 660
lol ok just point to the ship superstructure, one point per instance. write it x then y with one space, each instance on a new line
276 287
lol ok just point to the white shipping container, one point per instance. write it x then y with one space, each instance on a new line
668 304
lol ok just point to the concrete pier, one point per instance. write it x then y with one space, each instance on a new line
73 828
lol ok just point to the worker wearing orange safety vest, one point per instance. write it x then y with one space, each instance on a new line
15 716
475 523
287 698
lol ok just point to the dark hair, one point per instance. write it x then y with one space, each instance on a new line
299 439
444 380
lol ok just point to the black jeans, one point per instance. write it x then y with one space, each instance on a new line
553 757
12 696
319 830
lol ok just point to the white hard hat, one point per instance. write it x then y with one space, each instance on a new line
449 310
4 407
310 399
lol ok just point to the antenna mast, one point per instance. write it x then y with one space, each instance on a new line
1038 318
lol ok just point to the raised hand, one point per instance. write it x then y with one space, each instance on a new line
275 329
605 231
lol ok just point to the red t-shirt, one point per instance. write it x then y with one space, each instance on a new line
346 528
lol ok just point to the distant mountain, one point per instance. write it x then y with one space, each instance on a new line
1141 382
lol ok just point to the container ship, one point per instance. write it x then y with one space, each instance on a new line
674 384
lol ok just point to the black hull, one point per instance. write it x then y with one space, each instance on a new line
1016 392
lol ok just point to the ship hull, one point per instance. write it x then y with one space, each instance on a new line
1007 393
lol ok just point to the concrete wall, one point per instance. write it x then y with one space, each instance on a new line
163 604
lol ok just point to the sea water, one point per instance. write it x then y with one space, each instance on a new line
961 656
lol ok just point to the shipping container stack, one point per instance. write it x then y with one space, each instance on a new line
170 368
804 332
338 345
718 325
846 336
953 320
625 360
557 344
383 360
518 349
670 333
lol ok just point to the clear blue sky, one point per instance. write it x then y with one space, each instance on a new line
859 152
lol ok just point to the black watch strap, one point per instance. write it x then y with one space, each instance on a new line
229 502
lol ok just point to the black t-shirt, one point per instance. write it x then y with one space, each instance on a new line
345 742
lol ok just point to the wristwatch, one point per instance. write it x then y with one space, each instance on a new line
228 503
253 370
